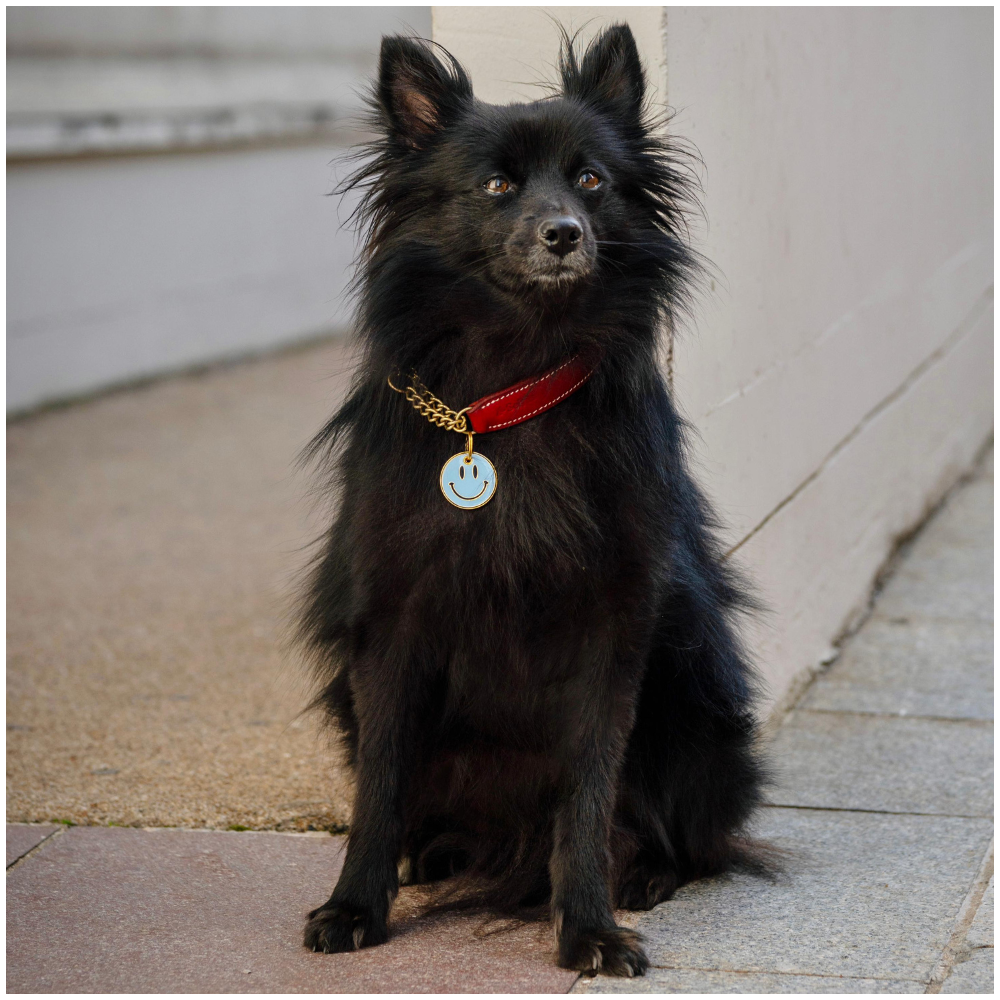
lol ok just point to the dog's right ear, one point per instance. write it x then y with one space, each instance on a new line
419 94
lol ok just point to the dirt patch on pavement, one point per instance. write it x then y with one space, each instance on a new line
154 536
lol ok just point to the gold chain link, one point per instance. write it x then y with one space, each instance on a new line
429 406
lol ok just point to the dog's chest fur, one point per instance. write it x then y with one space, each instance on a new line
506 598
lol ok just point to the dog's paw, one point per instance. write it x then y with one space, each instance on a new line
339 927
644 887
613 950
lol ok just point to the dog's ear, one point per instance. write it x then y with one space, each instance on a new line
419 94
610 74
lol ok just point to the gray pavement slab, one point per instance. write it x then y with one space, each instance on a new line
937 556
973 975
22 837
984 470
980 934
903 667
947 571
179 911
936 589
972 970
704 981
838 760
866 895
966 519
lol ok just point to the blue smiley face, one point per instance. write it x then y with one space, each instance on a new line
468 481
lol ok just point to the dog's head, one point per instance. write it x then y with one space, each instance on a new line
536 199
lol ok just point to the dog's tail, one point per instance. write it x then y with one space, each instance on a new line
506 875
755 857
509 876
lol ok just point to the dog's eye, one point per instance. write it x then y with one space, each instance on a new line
497 185
588 180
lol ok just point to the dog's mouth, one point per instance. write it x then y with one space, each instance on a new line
542 278
554 279
555 284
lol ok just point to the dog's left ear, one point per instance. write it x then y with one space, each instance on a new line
610 74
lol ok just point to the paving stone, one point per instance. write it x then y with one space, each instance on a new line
700 981
866 895
980 934
136 911
985 468
947 571
939 554
836 760
938 588
21 838
966 519
911 667
974 975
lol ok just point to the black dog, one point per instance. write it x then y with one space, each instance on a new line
545 693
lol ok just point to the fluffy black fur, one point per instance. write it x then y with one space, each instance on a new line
546 693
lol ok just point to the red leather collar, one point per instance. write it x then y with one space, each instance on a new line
528 398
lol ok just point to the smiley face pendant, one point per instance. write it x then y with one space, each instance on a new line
468 480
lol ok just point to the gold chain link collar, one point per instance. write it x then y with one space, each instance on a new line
428 405
437 412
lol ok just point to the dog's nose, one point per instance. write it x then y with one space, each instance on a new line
562 235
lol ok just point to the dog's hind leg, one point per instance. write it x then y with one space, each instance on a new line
650 878
692 774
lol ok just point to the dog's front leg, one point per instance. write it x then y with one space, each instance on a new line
356 915
586 934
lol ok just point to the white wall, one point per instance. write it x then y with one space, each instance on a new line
838 372
125 267
331 31
167 181
511 52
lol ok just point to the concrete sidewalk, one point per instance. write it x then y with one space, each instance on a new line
154 537
884 803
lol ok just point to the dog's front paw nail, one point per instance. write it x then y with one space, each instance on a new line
338 927
614 950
